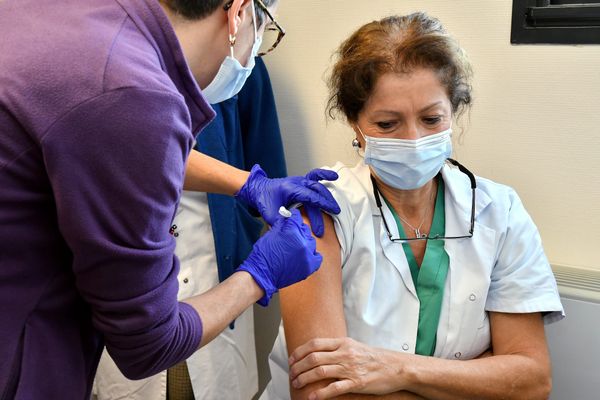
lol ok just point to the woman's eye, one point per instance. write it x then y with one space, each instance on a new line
432 120
386 124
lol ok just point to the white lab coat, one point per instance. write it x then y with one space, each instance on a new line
223 369
501 268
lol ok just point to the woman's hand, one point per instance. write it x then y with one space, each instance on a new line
357 368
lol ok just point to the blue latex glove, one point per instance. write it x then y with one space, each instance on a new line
267 195
286 254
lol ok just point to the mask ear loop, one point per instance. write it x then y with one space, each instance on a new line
254 22
234 21
356 143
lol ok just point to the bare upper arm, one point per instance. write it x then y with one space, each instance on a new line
313 308
520 334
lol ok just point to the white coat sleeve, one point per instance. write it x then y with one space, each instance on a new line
343 222
522 280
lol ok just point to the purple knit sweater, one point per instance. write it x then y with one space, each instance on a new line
97 110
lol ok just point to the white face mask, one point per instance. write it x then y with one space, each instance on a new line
232 75
407 164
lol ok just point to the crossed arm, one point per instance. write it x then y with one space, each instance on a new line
325 363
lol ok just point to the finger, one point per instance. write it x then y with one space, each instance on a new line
313 345
269 216
332 390
308 196
318 359
282 223
321 190
279 221
311 243
296 218
277 224
318 374
319 174
316 220
318 261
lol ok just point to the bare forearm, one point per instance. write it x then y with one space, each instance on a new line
225 302
391 396
206 174
502 376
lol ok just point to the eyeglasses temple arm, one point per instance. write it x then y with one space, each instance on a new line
473 187
464 171
472 212
378 203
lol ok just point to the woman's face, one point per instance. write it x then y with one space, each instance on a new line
406 106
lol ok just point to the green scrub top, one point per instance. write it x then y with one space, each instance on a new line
430 279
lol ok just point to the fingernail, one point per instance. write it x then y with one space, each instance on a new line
312 396
295 383
291 360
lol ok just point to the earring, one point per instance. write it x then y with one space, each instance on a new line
356 143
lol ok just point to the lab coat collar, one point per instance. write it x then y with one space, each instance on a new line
458 187
363 173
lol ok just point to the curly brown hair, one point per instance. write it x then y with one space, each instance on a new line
397 44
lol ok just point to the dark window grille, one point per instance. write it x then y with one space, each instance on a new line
555 22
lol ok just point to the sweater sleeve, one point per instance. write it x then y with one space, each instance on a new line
116 166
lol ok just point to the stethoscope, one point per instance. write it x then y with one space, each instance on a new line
462 169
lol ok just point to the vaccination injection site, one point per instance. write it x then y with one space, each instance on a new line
299 200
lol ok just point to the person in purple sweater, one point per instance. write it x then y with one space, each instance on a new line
99 104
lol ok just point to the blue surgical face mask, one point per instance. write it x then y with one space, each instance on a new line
407 164
232 75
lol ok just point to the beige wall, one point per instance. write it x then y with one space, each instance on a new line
535 124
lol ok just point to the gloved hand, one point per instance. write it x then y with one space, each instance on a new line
267 195
283 256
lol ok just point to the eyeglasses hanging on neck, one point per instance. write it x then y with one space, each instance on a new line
427 237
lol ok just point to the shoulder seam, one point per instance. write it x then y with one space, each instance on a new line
110 51
89 100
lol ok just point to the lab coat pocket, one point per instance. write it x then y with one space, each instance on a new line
474 340
226 367
482 340
372 334
396 331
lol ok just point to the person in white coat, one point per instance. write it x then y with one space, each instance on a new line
435 281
